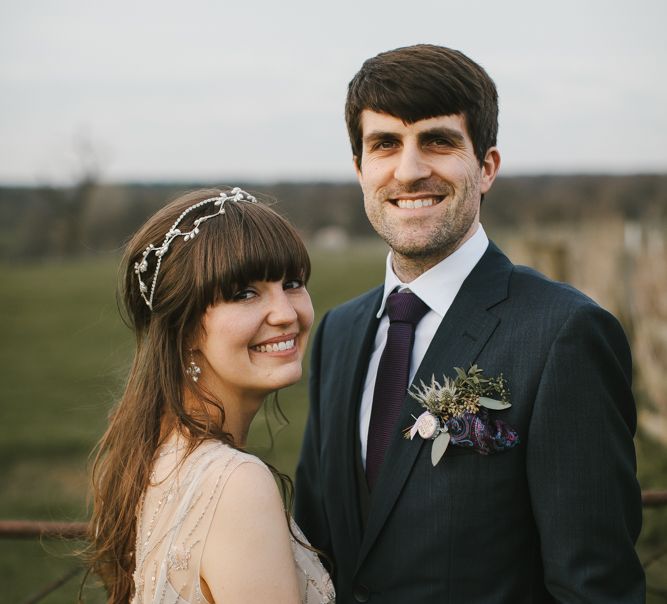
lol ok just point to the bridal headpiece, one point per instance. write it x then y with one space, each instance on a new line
235 195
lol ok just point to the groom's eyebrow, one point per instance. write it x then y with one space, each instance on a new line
377 136
454 137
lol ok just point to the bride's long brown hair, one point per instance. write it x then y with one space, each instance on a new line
249 243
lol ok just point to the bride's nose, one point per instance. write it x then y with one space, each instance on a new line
281 310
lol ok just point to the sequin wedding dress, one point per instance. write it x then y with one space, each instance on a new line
174 518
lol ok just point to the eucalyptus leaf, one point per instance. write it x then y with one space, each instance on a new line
491 403
439 447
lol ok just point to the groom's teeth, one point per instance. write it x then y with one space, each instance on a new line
416 203
275 347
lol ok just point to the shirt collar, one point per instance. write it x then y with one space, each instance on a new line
449 273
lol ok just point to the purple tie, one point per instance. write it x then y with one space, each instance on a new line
405 310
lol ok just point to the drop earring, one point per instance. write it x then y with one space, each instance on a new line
193 370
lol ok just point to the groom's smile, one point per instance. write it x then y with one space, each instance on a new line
411 203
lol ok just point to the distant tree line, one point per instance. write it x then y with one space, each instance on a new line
41 222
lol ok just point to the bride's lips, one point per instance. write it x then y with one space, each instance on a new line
284 344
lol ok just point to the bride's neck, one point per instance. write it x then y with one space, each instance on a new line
238 415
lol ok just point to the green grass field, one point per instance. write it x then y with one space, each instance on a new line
63 359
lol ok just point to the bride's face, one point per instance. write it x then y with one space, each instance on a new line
254 344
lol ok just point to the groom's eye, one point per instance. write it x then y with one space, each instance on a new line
384 145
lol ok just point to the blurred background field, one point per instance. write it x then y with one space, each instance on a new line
65 351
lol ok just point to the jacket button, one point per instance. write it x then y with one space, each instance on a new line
361 593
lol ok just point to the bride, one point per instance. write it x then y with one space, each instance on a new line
214 289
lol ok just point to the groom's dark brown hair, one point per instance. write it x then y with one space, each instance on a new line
423 81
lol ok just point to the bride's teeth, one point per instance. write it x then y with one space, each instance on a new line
277 347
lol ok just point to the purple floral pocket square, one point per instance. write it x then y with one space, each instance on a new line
481 433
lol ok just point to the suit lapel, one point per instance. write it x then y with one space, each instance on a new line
462 334
355 353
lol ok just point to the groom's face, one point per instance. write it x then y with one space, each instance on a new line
422 182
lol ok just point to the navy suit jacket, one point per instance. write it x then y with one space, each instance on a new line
552 520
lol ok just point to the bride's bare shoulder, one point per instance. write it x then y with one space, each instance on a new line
247 555
250 480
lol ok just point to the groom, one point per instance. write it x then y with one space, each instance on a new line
550 513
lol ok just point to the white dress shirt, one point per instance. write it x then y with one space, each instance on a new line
437 288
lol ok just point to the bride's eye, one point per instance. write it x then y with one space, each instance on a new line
244 294
293 284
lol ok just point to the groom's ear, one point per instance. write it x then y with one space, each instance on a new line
356 162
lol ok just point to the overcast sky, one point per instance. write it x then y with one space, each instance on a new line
221 90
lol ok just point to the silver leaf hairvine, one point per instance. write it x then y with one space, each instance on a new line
236 195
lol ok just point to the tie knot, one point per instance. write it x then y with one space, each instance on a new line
405 307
